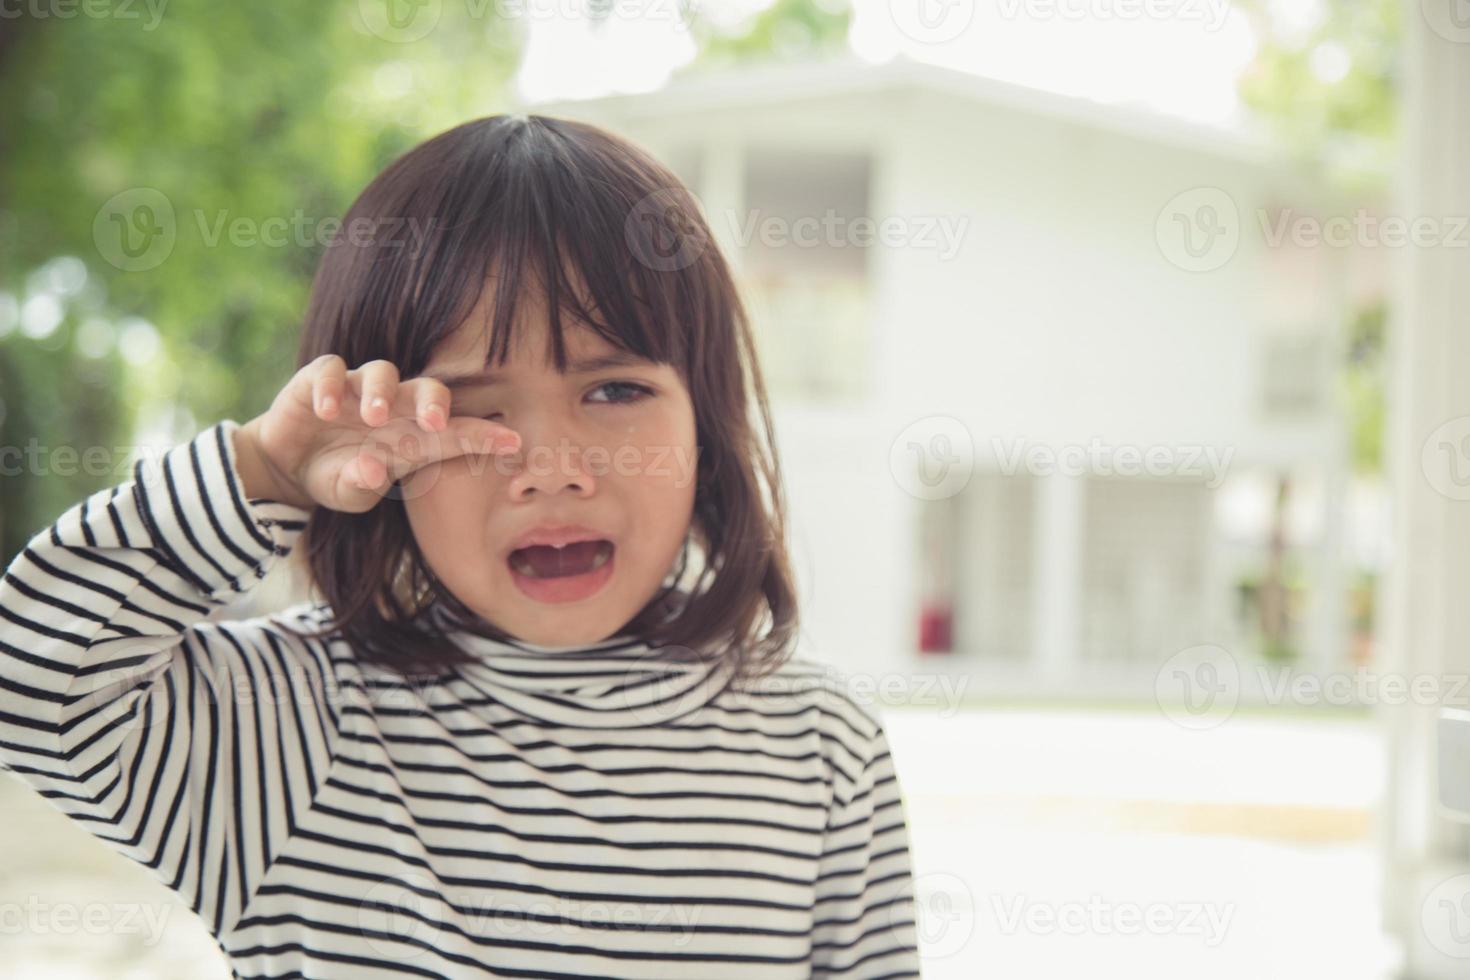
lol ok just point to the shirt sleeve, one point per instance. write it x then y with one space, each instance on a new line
185 744
864 921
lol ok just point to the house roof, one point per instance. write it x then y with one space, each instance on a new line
751 86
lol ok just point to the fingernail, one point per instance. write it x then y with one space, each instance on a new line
328 403
378 403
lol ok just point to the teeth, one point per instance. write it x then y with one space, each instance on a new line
603 554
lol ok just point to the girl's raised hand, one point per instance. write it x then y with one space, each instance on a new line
338 439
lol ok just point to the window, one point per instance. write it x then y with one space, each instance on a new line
806 270
1144 578
1293 376
990 533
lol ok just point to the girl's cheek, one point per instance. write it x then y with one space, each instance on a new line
442 478
417 483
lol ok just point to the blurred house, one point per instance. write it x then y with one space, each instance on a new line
1106 312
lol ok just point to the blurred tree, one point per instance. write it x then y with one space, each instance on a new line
1326 83
1363 384
190 160
785 30
1327 86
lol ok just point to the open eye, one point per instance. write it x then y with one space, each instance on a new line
626 392
613 393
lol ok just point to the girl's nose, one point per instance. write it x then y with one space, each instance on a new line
549 466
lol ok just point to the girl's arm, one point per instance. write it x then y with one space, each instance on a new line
188 745
864 921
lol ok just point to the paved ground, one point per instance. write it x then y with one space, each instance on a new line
1048 844
1101 844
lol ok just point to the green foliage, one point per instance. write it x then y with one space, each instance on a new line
256 124
784 31
1330 90
1363 386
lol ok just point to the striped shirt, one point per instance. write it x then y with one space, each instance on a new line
543 812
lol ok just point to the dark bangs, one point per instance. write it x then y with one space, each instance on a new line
615 241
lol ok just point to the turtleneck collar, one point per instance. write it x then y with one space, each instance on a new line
620 682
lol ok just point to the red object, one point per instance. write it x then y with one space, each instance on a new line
936 628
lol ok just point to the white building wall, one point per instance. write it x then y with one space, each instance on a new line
1058 321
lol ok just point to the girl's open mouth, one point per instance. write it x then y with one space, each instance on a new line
549 574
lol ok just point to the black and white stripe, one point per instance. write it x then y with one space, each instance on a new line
567 813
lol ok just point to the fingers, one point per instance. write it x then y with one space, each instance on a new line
394 453
472 435
461 436
379 394
365 471
328 377
431 403
397 449
425 400
409 425
377 387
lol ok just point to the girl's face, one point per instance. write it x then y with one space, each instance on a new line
608 448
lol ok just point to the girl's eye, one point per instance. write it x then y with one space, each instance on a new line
622 393
631 392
